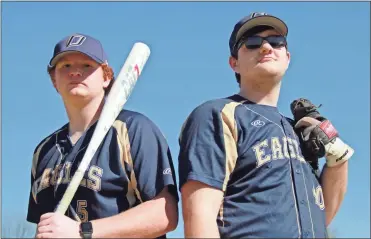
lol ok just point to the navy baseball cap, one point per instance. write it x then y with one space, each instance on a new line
253 20
79 43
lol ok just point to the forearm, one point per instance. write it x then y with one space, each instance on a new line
334 184
148 220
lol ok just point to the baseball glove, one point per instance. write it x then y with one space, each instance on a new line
318 137
310 144
304 108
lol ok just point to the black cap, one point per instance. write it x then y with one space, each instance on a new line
254 20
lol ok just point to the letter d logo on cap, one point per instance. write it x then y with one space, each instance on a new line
76 40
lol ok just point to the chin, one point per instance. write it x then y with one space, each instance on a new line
271 71
78 93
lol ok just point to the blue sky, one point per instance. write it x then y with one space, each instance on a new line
330 51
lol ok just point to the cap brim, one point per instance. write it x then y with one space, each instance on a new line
265 20
55 59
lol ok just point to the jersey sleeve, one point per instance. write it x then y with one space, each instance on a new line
152 160
35 210
207 146
33 213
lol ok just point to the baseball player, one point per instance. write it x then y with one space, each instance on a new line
129 188
243 169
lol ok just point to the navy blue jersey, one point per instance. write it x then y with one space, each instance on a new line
252 154
132 165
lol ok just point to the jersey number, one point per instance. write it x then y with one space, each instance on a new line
81 210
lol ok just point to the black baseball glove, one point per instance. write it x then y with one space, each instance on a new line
318 137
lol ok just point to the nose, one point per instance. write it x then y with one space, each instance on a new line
266 48
75 73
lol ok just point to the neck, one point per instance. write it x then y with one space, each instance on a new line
82 115
261 91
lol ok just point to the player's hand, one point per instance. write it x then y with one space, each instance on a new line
56 225
322 139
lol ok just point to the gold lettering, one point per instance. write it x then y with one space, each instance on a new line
299 156
276 149
291 148
260 154
285 150
51 177
94 178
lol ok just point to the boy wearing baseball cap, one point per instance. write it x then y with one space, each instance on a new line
243 170
124 192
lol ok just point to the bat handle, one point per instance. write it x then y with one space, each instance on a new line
74 214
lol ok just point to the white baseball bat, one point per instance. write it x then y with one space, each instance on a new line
115 100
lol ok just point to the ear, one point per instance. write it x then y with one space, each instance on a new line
52 77
54 84
106 82
233 63
288 54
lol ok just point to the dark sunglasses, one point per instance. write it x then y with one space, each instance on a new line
255 42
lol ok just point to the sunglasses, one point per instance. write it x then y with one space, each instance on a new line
255 42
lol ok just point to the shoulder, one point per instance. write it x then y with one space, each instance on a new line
136 123
212 108
139 130
44 146
49 140
210 117
134 119
215 105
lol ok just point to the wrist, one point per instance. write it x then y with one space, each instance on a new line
86 230
337 152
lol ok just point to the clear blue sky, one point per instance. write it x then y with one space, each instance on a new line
330 49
